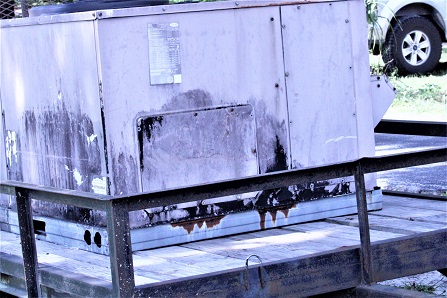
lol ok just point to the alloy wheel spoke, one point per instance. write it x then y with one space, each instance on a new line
422 55
414 58
425 44
418 37
408 39
406 51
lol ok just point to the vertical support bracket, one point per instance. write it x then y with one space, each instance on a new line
28 242
365 240
121 261
24 5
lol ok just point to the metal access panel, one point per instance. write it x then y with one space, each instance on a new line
195 147
124 101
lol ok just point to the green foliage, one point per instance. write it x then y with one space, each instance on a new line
417 95
420 288
427 92
372 7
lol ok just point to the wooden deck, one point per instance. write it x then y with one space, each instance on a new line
321 244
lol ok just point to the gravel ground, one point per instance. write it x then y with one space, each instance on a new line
432 282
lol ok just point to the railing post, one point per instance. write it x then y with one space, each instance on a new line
28 242
365 240
24 6
120 248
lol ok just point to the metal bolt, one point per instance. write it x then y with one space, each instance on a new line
100 14
378 85
236 3
163 8
283 26
346 21
299 7
286 74
276 85
272 19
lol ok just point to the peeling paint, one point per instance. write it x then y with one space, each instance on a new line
11 147
78 177
91 138
13 162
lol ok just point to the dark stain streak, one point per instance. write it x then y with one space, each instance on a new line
279 196
62 147
280 162
124 177
145 127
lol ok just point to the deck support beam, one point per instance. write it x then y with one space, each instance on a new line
120 247
365 239
28 242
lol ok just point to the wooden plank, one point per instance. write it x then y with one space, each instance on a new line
391 201
390 224
186 258
413 213
72 260
56 278
341 232
297 277
269 245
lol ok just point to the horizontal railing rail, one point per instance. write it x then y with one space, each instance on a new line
117 208
408 127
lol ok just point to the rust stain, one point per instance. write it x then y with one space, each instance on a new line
262 219
273 213
214 221
189 225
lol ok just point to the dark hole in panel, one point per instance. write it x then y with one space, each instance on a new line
88 237
39 227
97 239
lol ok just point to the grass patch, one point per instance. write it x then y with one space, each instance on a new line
420 288
419 96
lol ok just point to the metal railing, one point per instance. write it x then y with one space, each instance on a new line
117 208
10 9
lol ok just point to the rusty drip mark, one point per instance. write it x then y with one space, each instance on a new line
285 209
262 219
189 225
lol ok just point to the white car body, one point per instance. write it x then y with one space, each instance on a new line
397 8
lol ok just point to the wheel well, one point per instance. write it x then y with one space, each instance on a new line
425 10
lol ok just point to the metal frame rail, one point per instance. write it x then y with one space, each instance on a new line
118 208
419 128
415 128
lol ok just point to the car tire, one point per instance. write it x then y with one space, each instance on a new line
413 46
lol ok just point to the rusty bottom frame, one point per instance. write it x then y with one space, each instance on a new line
322 273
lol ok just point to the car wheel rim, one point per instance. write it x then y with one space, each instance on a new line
416 47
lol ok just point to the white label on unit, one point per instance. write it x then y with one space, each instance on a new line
99 185
164 53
